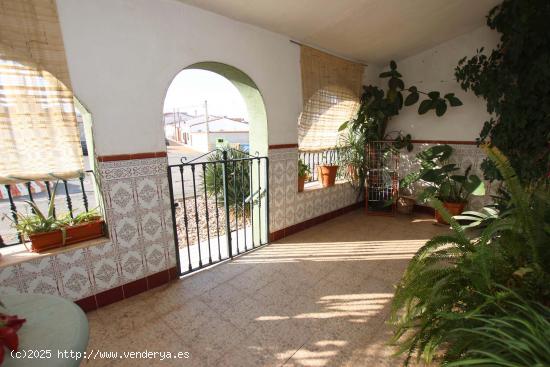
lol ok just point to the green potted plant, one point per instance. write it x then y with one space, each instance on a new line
443 180
85 226
303 174
42 229
326 173
47 232
352 148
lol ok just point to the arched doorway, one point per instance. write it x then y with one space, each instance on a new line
252 98
220 198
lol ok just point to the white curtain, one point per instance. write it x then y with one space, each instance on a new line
39 138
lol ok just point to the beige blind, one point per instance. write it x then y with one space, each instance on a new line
331 89
39 137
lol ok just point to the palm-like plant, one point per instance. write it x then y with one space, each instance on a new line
237 178
451 274
507 331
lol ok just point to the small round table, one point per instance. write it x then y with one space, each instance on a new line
55 334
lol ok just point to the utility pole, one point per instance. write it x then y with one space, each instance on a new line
207 126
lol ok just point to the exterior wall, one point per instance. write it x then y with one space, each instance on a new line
137 206
123 54
288 206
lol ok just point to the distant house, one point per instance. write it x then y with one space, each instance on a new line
174 125
195 132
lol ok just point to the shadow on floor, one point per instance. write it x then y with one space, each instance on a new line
317 298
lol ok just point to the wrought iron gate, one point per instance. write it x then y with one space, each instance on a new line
220 207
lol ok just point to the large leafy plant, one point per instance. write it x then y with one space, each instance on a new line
514 80
443 178
451 277
378 107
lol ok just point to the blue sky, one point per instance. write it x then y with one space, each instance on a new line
190 88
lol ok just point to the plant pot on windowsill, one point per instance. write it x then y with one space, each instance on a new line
44 241
301 182
84 232
327 175
452 208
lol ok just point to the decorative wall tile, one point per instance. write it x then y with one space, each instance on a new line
138 215
106 273
74 273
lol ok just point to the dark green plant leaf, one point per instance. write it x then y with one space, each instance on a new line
425 106
412 99
433 95
440 107
393 65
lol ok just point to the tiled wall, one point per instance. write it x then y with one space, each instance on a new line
137 205
289 207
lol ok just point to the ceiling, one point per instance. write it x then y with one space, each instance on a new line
362 30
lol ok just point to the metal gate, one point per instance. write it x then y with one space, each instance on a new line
220 207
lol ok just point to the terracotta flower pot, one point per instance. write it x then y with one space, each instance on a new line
327 175
453 208
46 241
84 232
301 182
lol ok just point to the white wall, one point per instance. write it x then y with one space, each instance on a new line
434 70
123 54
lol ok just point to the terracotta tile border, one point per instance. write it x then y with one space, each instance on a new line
127 157
283 146
127 290
459 142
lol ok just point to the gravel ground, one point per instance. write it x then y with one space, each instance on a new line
201 210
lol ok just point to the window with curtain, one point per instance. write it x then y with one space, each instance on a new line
39 138
331 89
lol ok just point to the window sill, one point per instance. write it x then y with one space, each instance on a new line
316 185
16 254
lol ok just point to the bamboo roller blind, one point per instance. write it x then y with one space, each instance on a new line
331 90
39 137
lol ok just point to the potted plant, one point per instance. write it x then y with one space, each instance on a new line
443 180
85 226
352 157
303 174
46 232
326 173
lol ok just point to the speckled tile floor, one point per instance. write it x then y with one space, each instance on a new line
317 298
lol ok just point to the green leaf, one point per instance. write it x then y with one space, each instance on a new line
425 106
433 95
393 65
413 89
412 99
385 74
344 126
440 107
455 102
